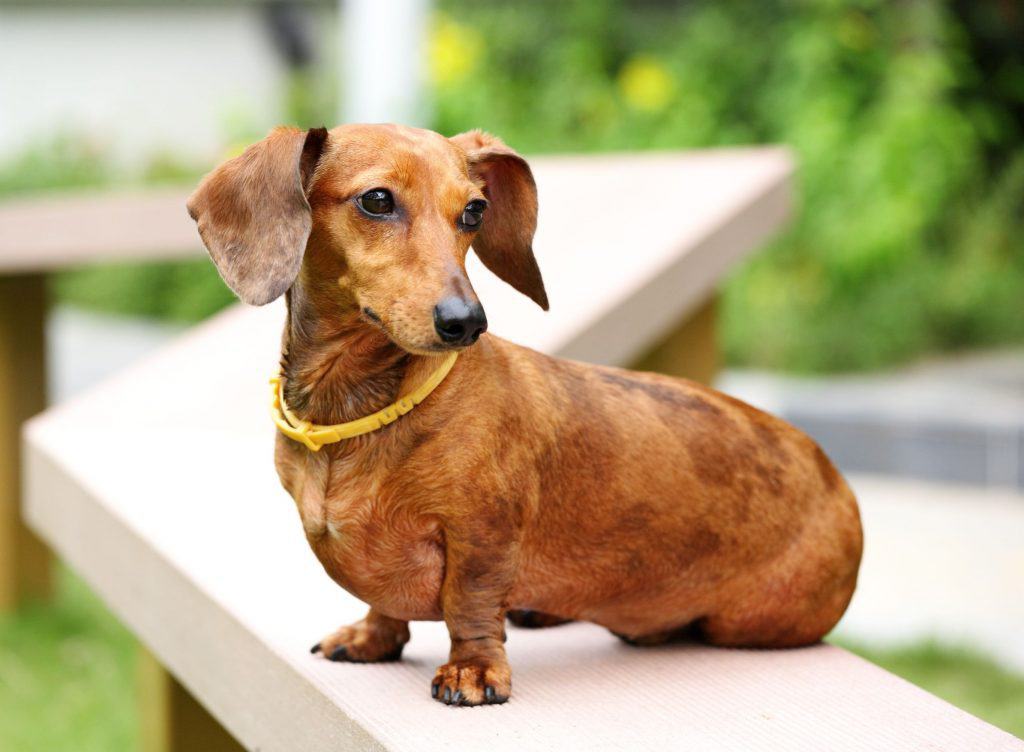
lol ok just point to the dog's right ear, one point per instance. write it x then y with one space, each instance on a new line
253 214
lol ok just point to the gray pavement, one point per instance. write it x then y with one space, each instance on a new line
942 562
957 419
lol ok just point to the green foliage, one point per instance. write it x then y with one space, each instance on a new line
905 119
66 676
67 161
907 237
61 162
184 291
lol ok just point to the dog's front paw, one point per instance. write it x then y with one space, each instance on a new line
472 682
365 642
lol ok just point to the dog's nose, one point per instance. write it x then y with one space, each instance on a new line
459 321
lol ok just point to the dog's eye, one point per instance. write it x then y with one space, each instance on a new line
377 201
473 214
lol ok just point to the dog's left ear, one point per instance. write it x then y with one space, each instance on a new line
253 214
504 241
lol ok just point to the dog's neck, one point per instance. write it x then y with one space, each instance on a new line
337 365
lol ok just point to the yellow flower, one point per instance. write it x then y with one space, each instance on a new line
454 51
646 84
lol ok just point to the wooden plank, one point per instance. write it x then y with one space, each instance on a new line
212 658
66 229
171 720
618 286
24 561
690 350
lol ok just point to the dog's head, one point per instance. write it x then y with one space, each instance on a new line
379 218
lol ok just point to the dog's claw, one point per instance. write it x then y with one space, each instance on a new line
339 653
468 683
375 638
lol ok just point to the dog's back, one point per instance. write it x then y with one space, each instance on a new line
662 502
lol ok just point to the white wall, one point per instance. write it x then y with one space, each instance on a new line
137 80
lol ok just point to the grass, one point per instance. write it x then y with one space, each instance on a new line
67 677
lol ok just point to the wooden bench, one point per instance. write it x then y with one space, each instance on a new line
37 236
158 488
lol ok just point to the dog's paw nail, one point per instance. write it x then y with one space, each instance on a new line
489 694
315 649
448 695
457 697
435 689
339 653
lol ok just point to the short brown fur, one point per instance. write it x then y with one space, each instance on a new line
650 505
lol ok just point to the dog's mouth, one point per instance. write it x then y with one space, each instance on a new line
371 317
439 347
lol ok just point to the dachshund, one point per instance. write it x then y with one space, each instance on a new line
522 485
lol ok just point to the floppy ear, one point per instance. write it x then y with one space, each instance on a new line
253 214
505 239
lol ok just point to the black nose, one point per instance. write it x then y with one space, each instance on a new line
459 321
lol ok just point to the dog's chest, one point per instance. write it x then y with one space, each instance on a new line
369 538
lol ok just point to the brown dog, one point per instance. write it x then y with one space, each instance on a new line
646 504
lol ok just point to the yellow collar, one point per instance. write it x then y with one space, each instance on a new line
315 436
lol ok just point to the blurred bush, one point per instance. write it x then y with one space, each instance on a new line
906 118
184 291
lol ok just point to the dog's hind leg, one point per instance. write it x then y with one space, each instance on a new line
375 639
529 619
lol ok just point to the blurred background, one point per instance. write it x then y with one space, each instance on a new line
887 319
